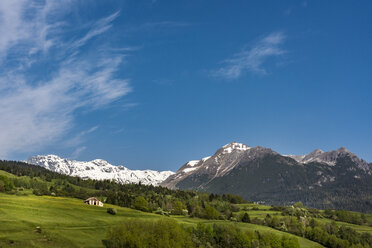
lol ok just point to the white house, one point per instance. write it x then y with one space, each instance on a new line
93 201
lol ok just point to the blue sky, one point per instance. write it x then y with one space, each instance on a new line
153 84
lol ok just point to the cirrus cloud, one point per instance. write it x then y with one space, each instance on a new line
38 110
252 59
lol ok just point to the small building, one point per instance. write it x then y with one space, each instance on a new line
93 201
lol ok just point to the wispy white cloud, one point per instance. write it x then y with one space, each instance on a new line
77 152
32 116
252 59
25 24
97 29
79 138
38 112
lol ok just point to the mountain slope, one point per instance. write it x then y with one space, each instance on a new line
320 179
99 169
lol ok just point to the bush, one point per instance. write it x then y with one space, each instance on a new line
233 219
246 218
159 211
235 208
178 208
211 213
290 242
140 203
112 211
5 184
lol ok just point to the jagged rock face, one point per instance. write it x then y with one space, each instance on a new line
99 169
261 174
218 165
331 157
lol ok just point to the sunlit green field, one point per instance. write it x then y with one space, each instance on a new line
68 222
4 173
303 242
359 228
264 210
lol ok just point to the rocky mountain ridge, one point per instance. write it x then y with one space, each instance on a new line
261 174
99 169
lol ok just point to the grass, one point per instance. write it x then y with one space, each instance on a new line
260 214
68 222
264 210
358 228
4 173
253 205
63 221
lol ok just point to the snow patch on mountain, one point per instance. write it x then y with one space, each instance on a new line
205 159
223 161
186 170
234 154
192 163
330 158
99 169
234 146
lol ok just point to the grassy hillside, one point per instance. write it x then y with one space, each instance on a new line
46 209
261 211
68 222
4 173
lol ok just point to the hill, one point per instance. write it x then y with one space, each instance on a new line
35 212
69 222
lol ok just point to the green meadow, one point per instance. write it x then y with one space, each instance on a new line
264 210
28 220
44 221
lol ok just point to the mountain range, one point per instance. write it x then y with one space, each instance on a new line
99 169
334 179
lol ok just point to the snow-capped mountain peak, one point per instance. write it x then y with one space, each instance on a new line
98 169
229 157
234 146
216 165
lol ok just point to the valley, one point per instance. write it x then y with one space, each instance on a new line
43 210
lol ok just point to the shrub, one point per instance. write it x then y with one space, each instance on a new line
112 211
235 208
178 208
246 218
211 213
233 219
5 184
140 203
159 211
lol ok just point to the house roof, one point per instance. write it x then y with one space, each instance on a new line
92 198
